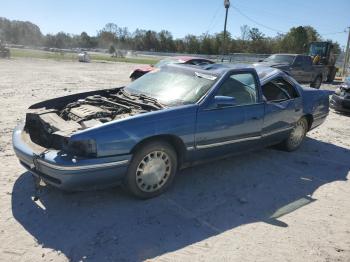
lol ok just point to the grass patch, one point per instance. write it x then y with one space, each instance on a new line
31 53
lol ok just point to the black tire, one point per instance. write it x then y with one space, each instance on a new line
142 172
317 82
291 144
331 75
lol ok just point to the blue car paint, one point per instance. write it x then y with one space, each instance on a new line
204 131
120 137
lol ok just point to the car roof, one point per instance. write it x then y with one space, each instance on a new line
286 54
264 72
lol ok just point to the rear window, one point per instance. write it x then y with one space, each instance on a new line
278 89
284 59
307 60
286 86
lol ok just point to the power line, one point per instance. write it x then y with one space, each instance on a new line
211 25
221 13
274 29
334 33
256 22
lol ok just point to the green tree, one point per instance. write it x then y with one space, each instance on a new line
166 42
251 40
297 39
111 49
85 40
207 44
151 41
254 34
192 44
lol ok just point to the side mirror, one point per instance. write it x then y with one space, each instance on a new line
224 101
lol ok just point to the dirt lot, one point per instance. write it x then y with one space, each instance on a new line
264 206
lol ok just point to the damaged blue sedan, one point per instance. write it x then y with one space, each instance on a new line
142 134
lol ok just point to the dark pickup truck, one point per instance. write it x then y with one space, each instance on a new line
300 67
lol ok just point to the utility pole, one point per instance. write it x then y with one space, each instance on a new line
227 6
346 57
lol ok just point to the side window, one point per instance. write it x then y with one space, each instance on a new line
204 62
307 61
240 86
286 86
298 61
193 62
279 90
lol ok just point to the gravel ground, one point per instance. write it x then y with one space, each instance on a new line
263 206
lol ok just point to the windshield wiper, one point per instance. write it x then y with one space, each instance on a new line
127 95
143 99
148 98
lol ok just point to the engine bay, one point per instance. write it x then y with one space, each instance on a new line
53 121
96 110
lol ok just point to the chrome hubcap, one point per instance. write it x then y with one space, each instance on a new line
153 171
298 133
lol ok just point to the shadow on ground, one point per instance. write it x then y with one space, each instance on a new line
204 201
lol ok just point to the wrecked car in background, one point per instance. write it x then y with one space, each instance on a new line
169 119
340 100
188 60
84 57
316 67
300 67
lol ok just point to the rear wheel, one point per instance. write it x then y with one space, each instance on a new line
152 170
296 136
317 82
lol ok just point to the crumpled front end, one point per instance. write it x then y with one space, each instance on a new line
340 100
51 124
48 146
64 170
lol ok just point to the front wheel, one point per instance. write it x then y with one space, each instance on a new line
331 75
152 170
296 136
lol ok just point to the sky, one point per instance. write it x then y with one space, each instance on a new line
182 17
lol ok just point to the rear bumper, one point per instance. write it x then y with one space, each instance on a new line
67 172
339 103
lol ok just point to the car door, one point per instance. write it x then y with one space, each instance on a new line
307 69
297 70
283 108
224 129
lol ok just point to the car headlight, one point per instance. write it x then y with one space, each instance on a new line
337 91
83 147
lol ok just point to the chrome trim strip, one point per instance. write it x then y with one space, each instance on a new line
243 139
228 142
189 148
74 168
277 131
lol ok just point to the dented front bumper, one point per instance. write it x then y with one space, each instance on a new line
65 171
340 103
